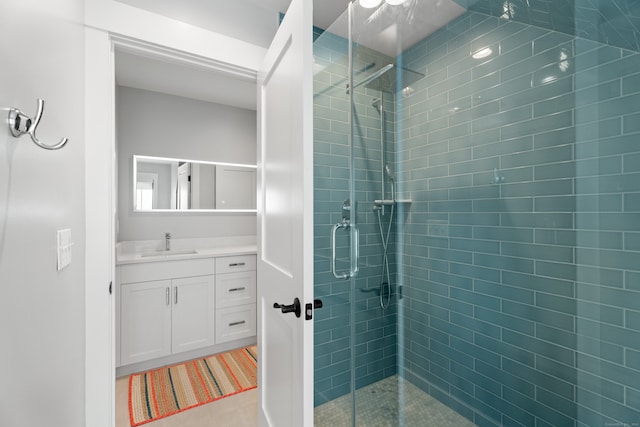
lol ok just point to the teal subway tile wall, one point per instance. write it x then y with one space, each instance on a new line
520 259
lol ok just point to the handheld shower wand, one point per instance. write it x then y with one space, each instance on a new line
385 275
392 181
378 203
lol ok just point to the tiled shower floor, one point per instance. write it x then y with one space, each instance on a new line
380 405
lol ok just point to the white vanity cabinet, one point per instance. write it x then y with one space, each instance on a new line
163 311
189 306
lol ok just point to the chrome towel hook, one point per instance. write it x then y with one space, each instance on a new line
20 123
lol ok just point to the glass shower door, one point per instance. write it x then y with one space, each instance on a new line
357 206
333 228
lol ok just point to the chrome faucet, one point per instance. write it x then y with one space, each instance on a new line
167 241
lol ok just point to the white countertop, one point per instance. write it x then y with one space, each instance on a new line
141 251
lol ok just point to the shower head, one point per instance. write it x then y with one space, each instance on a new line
385 79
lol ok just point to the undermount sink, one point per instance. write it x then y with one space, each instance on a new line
169 253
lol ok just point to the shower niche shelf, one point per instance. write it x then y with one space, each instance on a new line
389 202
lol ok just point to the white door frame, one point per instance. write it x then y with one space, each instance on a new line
101 205
99 225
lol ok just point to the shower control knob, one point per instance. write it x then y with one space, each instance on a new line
293 308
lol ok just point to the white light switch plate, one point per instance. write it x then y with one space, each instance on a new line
64 248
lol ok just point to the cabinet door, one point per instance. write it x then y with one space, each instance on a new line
193 313
145 327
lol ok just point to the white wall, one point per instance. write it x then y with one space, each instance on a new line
133 23
42 310
155 124
254 22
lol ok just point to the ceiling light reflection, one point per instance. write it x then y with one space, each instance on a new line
564 63
482 53
408 91
369 4
508 11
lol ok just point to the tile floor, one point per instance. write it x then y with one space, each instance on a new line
239 410
379 405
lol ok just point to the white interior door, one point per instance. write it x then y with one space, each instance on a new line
285 222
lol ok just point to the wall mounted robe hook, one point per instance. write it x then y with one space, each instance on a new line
20 123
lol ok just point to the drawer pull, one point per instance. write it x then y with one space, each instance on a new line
237 264
237 289
241 322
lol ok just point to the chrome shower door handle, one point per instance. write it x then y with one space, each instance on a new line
334 229
355 249
354 236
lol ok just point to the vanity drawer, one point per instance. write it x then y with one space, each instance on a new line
230 264
234 289
235 322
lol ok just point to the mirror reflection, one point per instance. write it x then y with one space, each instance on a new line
166 184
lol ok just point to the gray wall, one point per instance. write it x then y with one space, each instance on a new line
154 124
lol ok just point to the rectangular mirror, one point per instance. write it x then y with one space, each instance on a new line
164 184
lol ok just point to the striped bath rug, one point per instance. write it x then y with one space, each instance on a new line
166 391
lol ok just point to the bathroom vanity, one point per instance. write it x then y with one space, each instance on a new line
172 305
